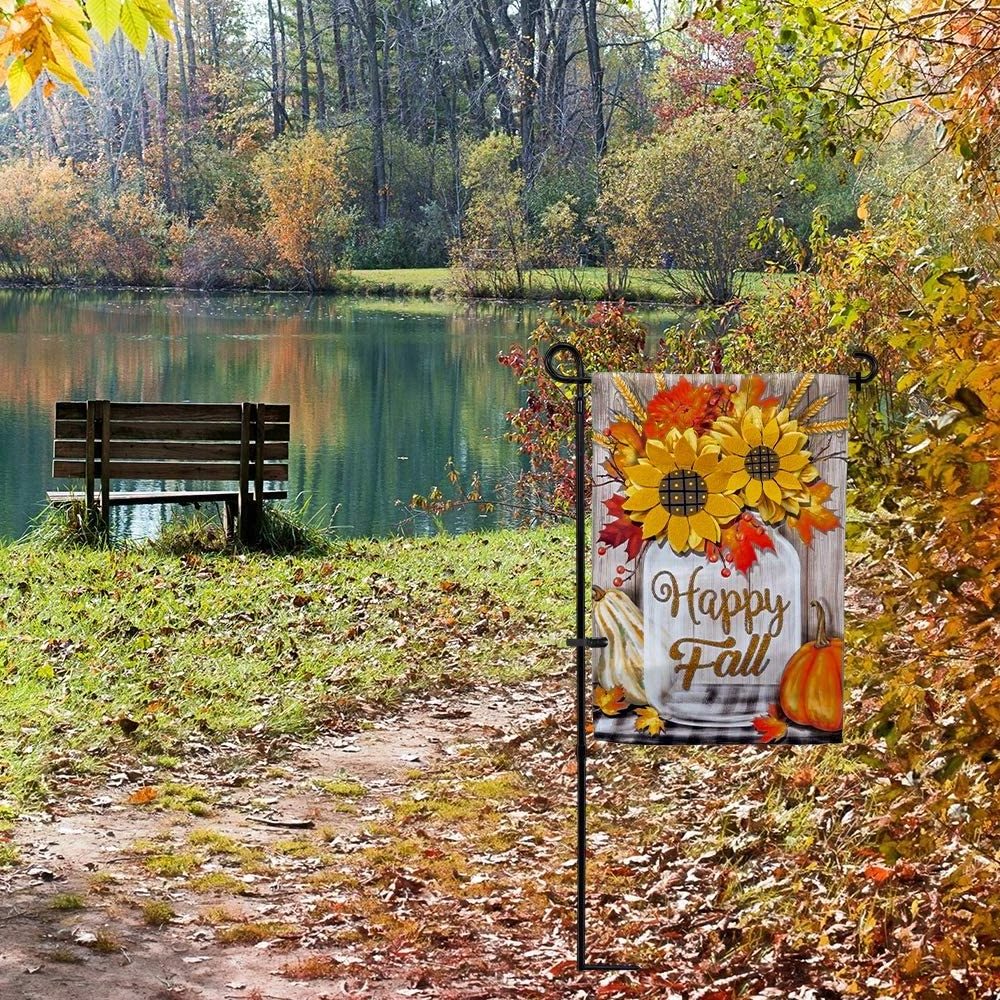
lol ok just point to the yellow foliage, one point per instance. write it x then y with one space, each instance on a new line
48 38
304 182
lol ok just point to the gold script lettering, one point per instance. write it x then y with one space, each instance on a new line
723 605
728 662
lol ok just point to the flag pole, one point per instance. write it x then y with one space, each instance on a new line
577 376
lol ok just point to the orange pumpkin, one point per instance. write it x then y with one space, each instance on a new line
811 691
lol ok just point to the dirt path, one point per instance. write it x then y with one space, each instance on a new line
116 899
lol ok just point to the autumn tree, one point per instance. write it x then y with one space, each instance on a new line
302 178
691 198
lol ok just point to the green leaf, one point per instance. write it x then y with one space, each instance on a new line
105 16
134 24
19 82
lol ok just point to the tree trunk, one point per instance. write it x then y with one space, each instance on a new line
192 68
596 76
318 59
339 57
277 98
300 30
162 83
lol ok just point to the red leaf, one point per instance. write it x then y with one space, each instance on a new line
878 873
621 530
770 728
742 539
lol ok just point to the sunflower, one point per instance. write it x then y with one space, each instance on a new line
679 491
769 463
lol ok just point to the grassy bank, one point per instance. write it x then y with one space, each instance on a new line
109 657
588 283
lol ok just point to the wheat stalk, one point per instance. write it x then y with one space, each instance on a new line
813 408
824 427
609 442
661 382
630 397
800 391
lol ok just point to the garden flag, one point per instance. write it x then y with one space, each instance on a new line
718 513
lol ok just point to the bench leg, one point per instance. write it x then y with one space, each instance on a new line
230 517
249 524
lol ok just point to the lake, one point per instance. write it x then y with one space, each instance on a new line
382 391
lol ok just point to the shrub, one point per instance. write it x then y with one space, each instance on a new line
493 253
304 182
690 199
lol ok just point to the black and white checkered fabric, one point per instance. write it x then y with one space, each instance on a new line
621 729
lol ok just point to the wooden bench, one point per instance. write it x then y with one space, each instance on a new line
243 443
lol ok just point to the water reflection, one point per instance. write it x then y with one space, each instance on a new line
382 391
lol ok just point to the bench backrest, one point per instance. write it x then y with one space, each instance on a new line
104 440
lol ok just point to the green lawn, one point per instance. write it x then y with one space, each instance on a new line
112 656
645 285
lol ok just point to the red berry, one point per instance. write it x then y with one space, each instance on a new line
602 551
727 572
619 569
617 581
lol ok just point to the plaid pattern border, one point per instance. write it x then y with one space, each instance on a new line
621 729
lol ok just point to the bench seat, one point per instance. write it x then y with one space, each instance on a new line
124 499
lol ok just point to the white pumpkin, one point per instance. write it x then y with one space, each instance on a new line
620 663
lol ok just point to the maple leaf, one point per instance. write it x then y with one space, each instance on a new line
756 393
878 873
815 517
741 540
648 719
610 702
685 405
143 796
770 728
621 530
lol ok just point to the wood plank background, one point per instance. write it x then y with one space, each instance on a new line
822 562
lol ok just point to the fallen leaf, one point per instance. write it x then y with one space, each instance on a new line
648 719
878 873
143 796
610 702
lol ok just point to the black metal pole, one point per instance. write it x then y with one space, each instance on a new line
580 379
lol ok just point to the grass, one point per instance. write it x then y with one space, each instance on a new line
253 932
589 283
157 913
66 901
128 654
342 787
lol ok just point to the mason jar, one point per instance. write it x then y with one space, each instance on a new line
717 639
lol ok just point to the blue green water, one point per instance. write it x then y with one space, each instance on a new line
382 392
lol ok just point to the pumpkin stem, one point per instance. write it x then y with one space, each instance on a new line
598 592
822 639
